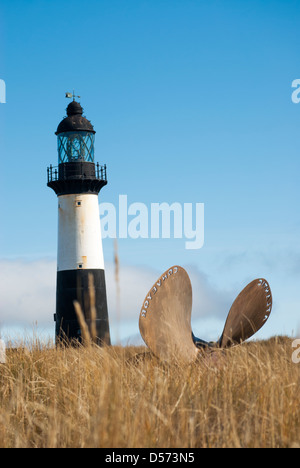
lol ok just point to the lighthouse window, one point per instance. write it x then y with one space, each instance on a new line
78 203
80 266
75 146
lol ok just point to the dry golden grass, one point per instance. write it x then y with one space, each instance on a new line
124 397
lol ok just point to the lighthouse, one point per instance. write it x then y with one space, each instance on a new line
77 181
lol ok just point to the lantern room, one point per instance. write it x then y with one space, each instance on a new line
75 137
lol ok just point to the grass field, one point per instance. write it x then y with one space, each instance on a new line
124 397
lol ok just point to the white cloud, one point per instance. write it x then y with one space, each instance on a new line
208 299
134 284
28 291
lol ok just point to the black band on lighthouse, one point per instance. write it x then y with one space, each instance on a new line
73 285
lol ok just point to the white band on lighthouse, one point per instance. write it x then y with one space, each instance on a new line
79 233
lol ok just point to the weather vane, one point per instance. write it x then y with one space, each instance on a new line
70 95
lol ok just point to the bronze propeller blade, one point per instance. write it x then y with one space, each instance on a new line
248 313
165 317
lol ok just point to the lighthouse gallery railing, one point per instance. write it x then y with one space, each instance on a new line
54 174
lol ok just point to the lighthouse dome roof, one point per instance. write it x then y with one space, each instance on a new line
75 121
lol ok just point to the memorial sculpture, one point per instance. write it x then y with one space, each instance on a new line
165 317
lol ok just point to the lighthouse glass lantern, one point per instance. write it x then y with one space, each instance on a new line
77 182
75 146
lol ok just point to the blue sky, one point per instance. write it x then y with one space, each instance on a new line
191 102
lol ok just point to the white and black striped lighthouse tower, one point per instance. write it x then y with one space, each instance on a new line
77 182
